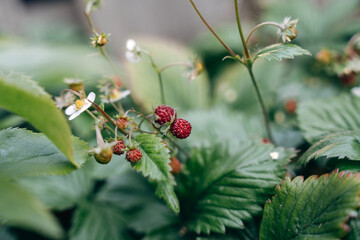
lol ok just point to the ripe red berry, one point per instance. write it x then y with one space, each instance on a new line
119 147
133 155
175 165
180 128
290 106
265 140
122 123
165 114
348 79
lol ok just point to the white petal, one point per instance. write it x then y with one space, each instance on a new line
356 91
91 97
70 109
274 155
122 95
132 57
130 45
75 114
125 93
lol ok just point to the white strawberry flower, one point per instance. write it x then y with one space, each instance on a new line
132 51
79 106
274 155
356 91
115 96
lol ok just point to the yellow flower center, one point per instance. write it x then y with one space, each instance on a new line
115 94
79 104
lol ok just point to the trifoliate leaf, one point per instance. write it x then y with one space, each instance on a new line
281 51
220 189
341 145
317 208
24 153
320 118
23 96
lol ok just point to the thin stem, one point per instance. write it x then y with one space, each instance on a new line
162 93
87 15
261 101
158 71
246 50
96 119
174 64
263 24
211 30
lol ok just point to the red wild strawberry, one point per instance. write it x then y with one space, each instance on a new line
165 114
175 165
133 155
290 106
119 147
122 123
180 128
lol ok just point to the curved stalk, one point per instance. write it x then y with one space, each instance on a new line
263 24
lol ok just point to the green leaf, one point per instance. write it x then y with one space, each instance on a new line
21 95
24 153
179 91
340 145
20 208
165 191
131 193
317 208
319 118
155 158
97 220
155 165
281 51
222 190
61 192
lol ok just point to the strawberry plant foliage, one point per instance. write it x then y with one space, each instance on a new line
155 165
340 145
24 153
18 93
281 51
321 117
317 208
30 212
222 190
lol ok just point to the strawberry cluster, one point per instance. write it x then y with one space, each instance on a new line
133 155
179 127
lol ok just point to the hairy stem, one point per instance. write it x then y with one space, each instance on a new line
211 30
161 88
246 50
262 104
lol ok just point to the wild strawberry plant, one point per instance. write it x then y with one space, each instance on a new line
163 165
